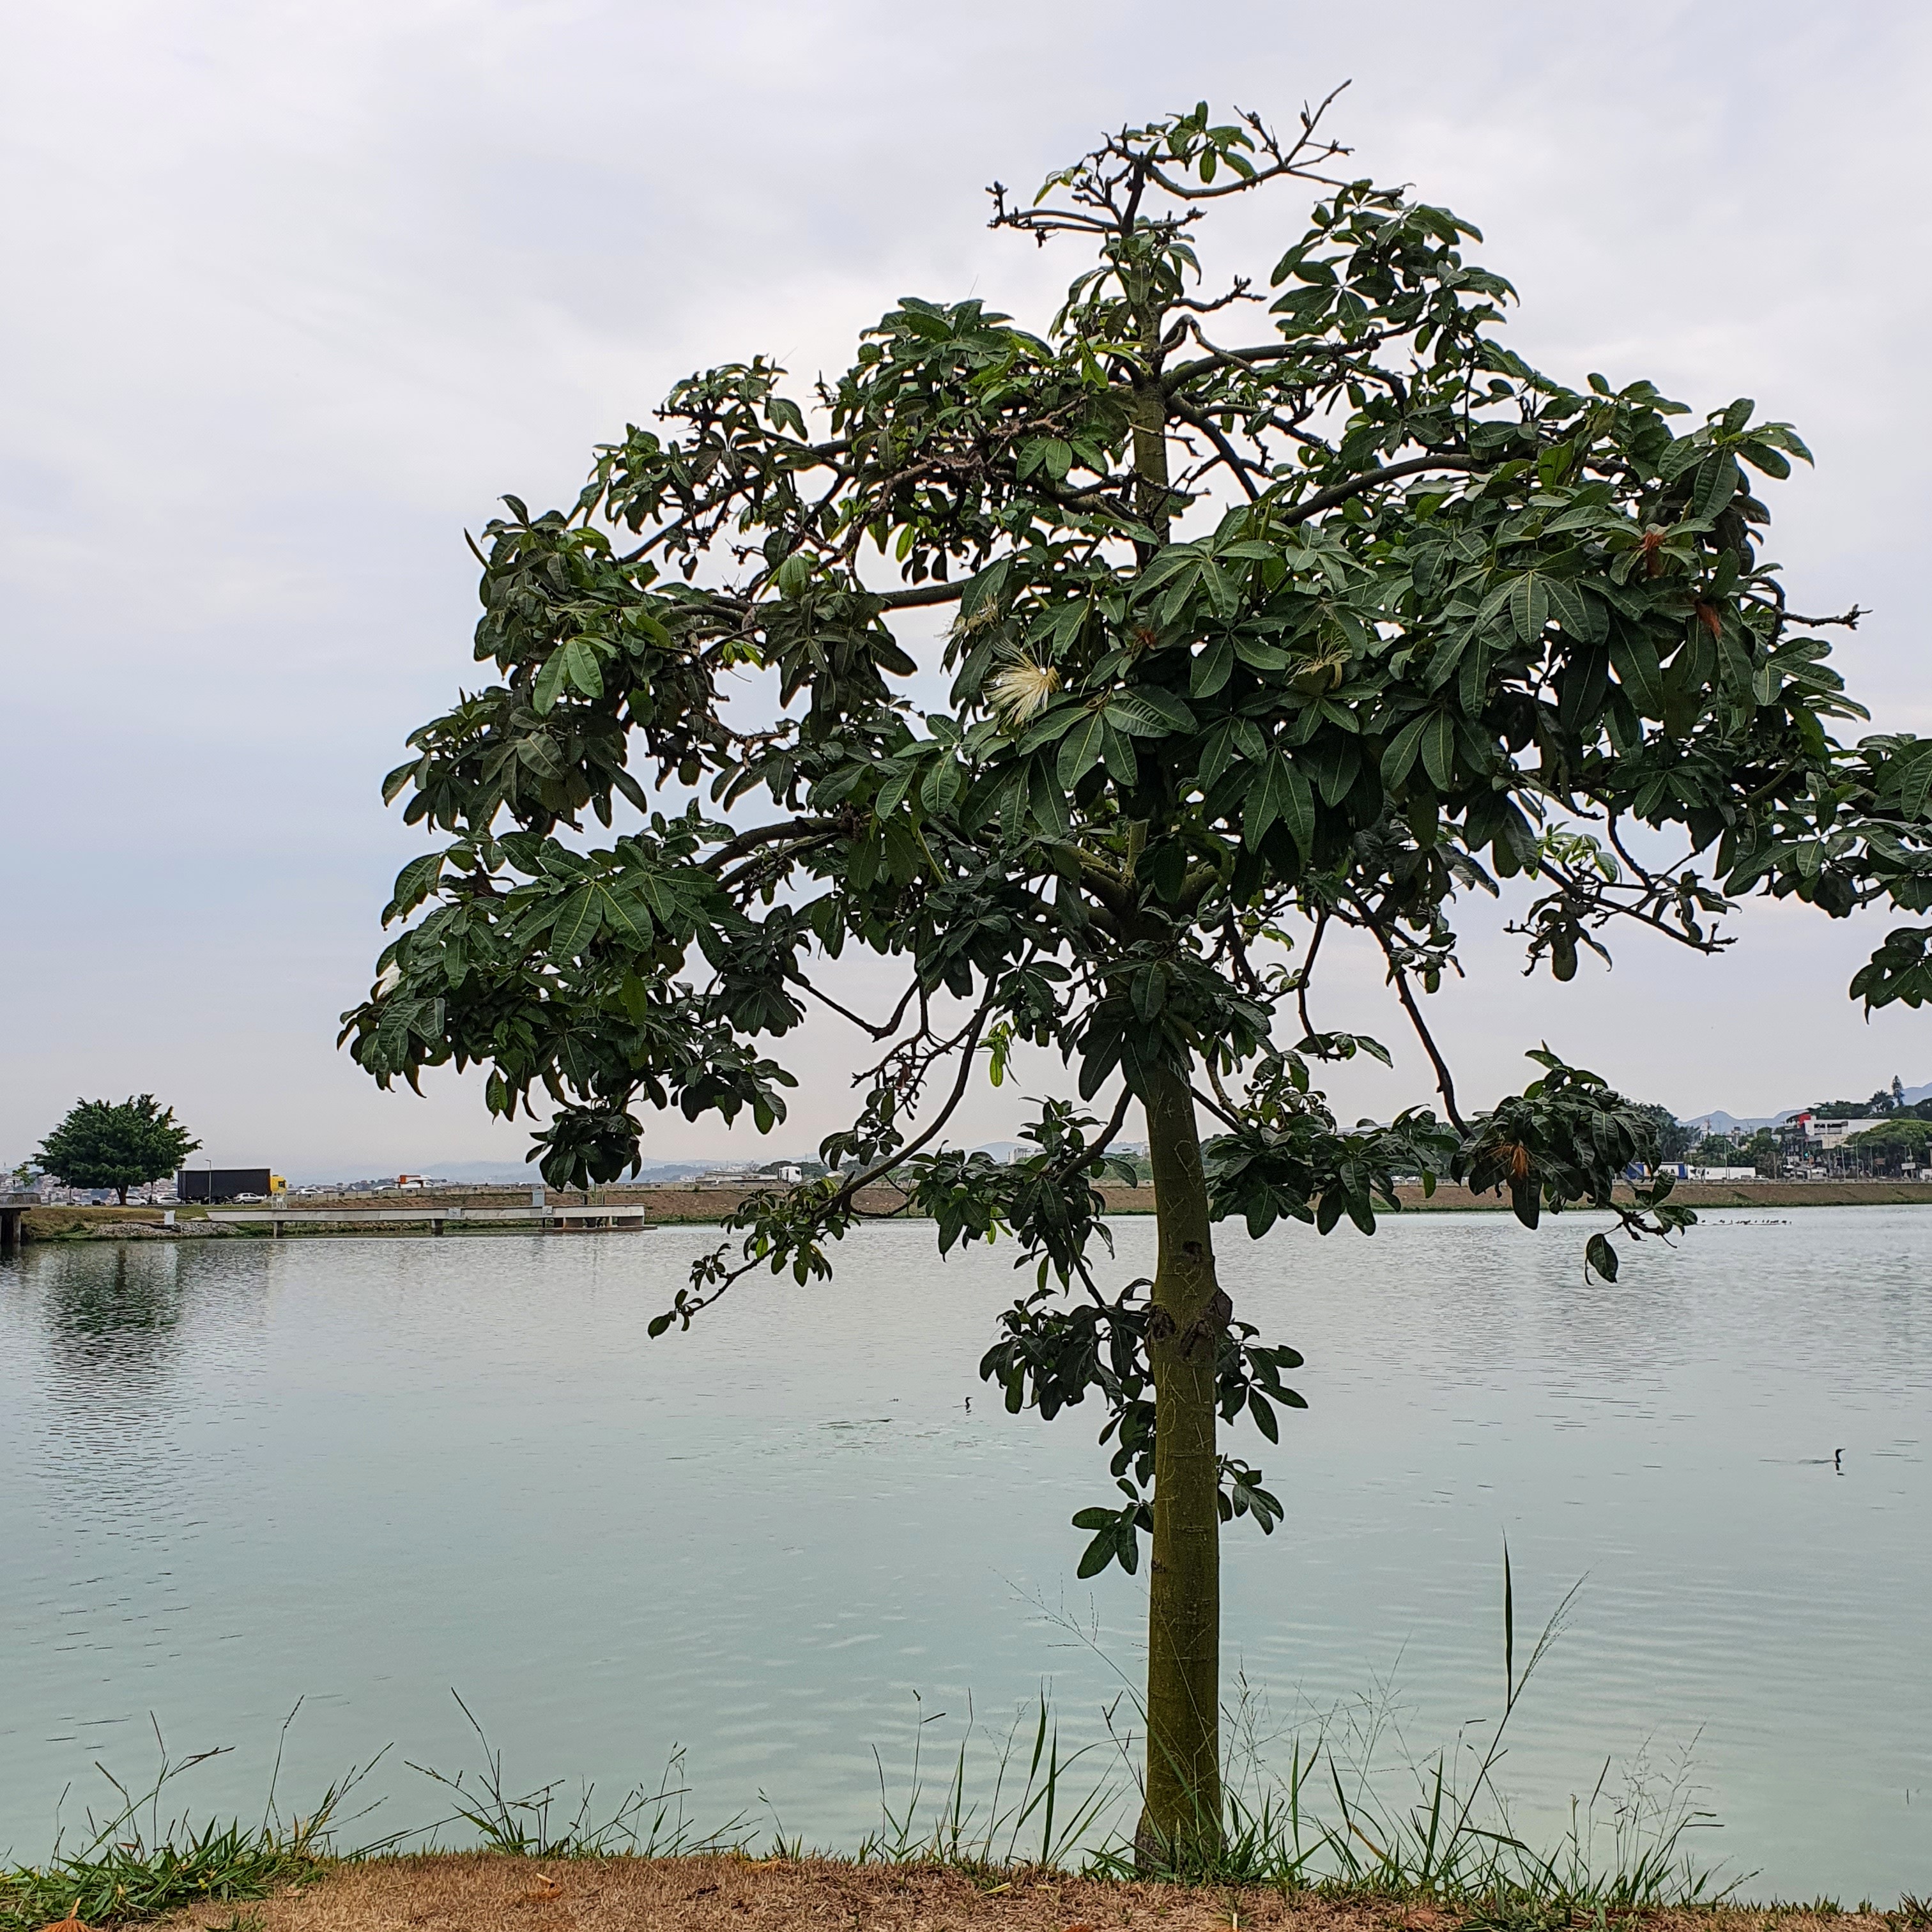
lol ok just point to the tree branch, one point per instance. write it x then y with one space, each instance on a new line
1307 971
764 834
922 593
1400 979
1230 456
1327 500
1213 1107
885 1032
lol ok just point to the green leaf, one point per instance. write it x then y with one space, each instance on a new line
1438 750
414 883
1298 811
617 917
1717 481
939 790
1046 801
1148 711
1472 686
1573 610
1913 790
1638 670
1270 797
1598 1254
1259 656
1448 655
1334 763
1211 669
577 922
1403 750
1097 1555
549 682
1122 767
1529 605
580 661
1057 722
1080 751
1526 1200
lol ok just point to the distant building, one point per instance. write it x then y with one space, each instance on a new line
1829 1134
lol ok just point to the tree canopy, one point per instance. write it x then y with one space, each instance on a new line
1286 603
101 1144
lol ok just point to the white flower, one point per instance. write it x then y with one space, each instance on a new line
1022 690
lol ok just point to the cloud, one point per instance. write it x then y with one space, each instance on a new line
299 291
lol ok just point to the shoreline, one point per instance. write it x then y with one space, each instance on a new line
684 1207
730 1891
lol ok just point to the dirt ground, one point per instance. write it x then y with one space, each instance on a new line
481 1892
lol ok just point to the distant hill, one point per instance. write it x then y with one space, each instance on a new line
1722 1122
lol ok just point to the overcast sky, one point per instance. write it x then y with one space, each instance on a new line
295 292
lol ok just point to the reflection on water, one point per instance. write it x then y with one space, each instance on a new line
363 1471
112 1322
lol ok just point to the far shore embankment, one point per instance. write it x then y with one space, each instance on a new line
684 1204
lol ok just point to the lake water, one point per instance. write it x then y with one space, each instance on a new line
363 1472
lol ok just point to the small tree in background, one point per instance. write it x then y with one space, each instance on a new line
1894 1145
1260 629
100 1144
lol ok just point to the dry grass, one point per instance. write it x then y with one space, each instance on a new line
475 1892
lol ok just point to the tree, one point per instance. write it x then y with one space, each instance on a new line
1897 1141
1670 1138
1851 1110
1764 1150
1715 1150
100 1144
1257 632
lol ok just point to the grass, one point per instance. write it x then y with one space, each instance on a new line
647 1823
138 1863
1322 1824
1005 1808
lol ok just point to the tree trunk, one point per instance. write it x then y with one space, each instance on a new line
1181 1818
123 1193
